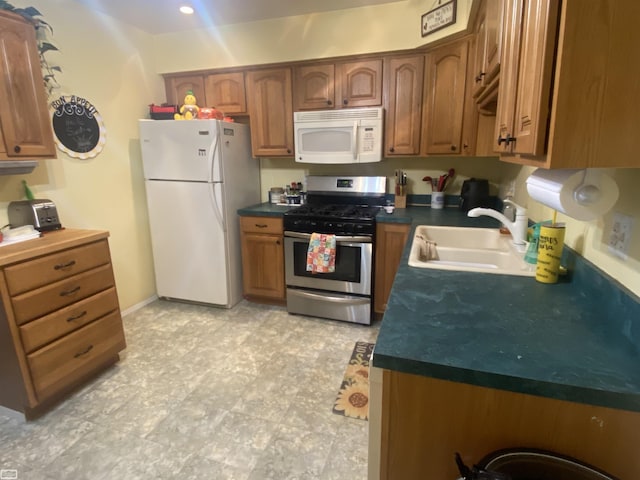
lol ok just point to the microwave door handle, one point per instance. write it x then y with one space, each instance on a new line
355 140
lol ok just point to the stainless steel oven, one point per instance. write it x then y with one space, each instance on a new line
345 207
342 295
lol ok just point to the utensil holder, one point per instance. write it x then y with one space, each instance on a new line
437 200
401 201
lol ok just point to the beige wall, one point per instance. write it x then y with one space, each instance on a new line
590 239
108 64
115 67
379 28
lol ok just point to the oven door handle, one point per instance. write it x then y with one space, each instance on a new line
339 238
324 296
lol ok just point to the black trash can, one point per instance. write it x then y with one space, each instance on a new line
529 464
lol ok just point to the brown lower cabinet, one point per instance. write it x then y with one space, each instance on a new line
262 259
390 241
418 423
60 321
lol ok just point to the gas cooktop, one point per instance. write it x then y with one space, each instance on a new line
338 205
345 212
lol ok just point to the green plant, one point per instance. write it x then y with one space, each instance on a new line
43 29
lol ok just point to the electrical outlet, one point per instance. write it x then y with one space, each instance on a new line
620 236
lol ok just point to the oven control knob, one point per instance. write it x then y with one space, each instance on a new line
328 225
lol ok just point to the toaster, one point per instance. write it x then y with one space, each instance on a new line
41 213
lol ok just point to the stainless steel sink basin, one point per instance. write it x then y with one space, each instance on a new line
469 250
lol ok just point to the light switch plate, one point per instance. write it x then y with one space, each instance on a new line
620 236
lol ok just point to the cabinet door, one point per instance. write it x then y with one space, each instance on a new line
403 104
361 83
391 239
24 114
177 87
480 44
524 98
508 76
534 76
443 107
314 87
225 92
263 266
270 112
493 44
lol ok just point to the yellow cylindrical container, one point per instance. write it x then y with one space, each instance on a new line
550 246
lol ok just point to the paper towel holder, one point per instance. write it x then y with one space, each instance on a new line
584 194
587 193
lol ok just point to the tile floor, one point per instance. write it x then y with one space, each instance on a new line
204 393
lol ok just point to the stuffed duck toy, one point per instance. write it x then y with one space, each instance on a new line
189 110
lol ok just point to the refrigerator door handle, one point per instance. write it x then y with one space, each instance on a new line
216 204
216 162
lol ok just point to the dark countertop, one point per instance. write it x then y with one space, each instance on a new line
577 340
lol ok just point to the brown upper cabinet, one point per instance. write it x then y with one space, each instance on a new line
314 87
444 101
226 92
403 86
270 112
486 56
24 114
523 108
338 85
571 97
177 87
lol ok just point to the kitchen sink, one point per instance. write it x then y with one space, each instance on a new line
469 250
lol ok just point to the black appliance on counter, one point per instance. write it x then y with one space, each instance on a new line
345 207
474 193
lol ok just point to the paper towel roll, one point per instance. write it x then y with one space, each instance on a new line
581 194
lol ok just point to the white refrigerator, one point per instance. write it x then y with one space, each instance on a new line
197 174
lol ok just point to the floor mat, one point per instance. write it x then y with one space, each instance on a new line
353 397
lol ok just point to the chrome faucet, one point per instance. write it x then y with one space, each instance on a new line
518 228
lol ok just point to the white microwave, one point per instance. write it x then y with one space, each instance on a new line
351 135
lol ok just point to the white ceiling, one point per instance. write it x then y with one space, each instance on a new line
162 16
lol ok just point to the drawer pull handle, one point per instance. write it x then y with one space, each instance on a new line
61 266
76 317
261 225
67 293
84 352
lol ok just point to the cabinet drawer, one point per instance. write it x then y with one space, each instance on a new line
35 303
58 266
261 225
57 324
64 361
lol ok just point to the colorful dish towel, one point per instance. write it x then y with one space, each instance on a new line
321 256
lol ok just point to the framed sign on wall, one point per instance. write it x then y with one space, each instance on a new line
78 127
439 17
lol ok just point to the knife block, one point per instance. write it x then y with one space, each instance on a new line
401 201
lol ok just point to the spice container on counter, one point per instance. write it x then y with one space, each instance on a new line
275 195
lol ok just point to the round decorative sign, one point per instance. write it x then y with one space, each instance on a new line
78 127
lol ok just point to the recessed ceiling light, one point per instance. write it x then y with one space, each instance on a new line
186 9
